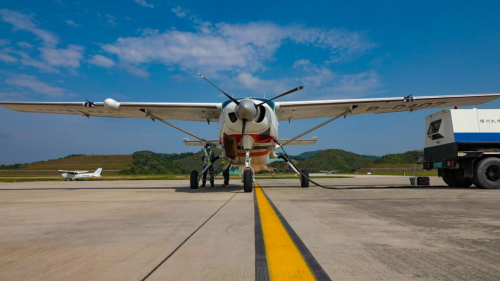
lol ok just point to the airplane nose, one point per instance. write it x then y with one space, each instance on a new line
246 110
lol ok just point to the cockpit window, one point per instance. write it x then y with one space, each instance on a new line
232 117
434 127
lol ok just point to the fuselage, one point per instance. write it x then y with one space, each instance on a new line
263 129
75 175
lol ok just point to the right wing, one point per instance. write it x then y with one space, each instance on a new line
165 110
294 110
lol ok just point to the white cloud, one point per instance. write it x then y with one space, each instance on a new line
144 4
32 84
135 70
318 80
7 58
24 44
231 47
42 66
179 12
25 22
69 57
53 56
101 61
4 42
72 23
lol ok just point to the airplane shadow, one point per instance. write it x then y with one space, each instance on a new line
185 189
348 187
209 189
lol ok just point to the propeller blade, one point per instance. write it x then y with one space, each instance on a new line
244 127
282 95
228 96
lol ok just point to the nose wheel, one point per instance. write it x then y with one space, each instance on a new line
247 181
194 180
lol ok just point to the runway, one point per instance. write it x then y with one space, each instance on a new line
367 228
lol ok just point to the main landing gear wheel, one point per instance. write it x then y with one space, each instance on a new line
194 179
247 181
304 182
487 174
455 178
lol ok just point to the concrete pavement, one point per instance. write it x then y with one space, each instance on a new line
162 230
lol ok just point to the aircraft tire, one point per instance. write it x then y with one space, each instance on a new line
304 182
487 174
193 181
247 181
455 178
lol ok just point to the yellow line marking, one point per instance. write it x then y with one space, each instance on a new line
284 260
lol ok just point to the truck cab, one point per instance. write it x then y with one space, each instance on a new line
464 145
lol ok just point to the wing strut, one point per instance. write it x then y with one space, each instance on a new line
154 117
351 108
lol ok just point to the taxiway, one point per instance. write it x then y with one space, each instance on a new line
368 228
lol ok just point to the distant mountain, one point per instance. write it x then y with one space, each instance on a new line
329 159
148 162
409 157
373 157
306 155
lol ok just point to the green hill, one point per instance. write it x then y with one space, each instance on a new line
147 162
409 157
330 159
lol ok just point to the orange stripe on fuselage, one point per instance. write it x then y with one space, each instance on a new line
260 153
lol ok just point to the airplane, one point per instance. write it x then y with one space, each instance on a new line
75 175
328 172
248 127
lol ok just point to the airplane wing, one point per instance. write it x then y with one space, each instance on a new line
76 172
168 111
294 110
187 142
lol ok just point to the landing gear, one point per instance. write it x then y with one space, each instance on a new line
247 181
194 179
304 178
487 173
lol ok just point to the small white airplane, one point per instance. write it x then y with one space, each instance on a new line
75 175
248 127
328 172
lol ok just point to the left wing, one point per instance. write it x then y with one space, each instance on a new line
165 110
328 108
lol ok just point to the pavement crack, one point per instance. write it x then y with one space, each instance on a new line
185 240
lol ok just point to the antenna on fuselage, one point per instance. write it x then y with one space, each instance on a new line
226 94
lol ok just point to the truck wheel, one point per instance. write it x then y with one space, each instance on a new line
304 182
487 173
193 182
247 181
455 178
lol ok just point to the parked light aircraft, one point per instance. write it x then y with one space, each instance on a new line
329 172
75 175
248 127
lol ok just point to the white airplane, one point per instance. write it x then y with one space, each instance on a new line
328 172
75 175
248 127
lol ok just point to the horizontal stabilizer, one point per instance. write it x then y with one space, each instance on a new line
300 142
187 142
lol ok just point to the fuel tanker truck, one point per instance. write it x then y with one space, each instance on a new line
464 146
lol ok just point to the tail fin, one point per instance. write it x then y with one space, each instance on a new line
97 172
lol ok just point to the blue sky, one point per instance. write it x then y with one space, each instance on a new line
150 50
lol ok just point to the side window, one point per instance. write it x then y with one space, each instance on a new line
433 130
434 127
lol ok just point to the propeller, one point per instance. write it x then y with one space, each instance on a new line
246 109
228 96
